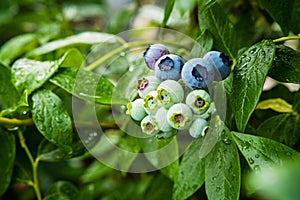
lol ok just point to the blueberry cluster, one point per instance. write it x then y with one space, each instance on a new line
162 106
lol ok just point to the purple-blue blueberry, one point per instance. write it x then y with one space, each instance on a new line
168 67
197 73
153 53
220 62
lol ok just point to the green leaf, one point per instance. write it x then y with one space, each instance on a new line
286 65
162 153
222 169
156 192
204 4
283 128
263 152
52 119
17 46
9 95
29 75
203 45
280 11
249 76
72 58
88 38
191 172
56 196
63 188
278 105
84 84
7 155
168 10
216 22
296 101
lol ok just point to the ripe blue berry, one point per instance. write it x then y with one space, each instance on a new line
180 116
198 101
153 53
136 109
146 85
168 67
197 73
220 61
198 128
149 126
169 92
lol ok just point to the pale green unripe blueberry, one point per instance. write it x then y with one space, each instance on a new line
208 113
198 101
180 116
146 85
161 120
149 126
150 103
198 128
169 92
136 109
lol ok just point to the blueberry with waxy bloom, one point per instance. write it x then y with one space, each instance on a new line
169 67
153 53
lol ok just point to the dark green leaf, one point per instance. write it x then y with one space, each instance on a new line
216 22
191 172
205 4
63 188
203 45
56 196
294 23
75 40
286 65
49 152
296 101
16 47
284 128
28 75
280 12
9 95
263 152
7 155
168 10
222 169
156 192
52 119
249 75
84 84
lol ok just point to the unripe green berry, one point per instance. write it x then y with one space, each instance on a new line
198 101
150 103
208 113
169 92
180 116
146 85
149 126
161 120
136 109
198 128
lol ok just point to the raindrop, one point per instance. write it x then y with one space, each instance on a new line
256 168
214 178
253 51
122 53
256 155
227 141
288 154
245 145
251 161
218 188
14 128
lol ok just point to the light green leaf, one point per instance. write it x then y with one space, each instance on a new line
72 58
88 38
17 46
222 169
263 152
216 22
248 79
168 10
283 128
52 119
191 172
84 84
29 75
7 155
286 65
278 105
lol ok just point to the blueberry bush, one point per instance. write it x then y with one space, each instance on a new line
73 119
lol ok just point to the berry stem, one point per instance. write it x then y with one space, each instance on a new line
34 163
292 37
120 49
